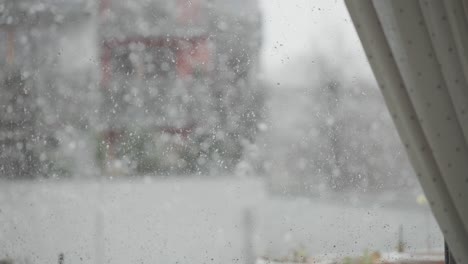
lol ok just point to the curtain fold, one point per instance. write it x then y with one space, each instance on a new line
416 51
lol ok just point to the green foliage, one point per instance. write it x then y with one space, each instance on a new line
366 258
148 152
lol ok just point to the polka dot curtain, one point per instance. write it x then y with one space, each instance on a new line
418 51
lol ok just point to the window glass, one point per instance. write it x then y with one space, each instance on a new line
208 131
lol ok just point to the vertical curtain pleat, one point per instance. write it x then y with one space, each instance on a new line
455 12
445 51
403 47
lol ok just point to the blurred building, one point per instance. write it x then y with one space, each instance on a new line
179 82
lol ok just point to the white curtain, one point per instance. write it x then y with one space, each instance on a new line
418 51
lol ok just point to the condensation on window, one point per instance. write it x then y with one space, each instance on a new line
199 131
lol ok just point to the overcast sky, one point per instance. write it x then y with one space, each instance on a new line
317 28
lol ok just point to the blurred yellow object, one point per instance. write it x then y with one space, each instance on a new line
421 199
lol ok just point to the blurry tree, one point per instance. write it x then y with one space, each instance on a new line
42 93
333 131
360 147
